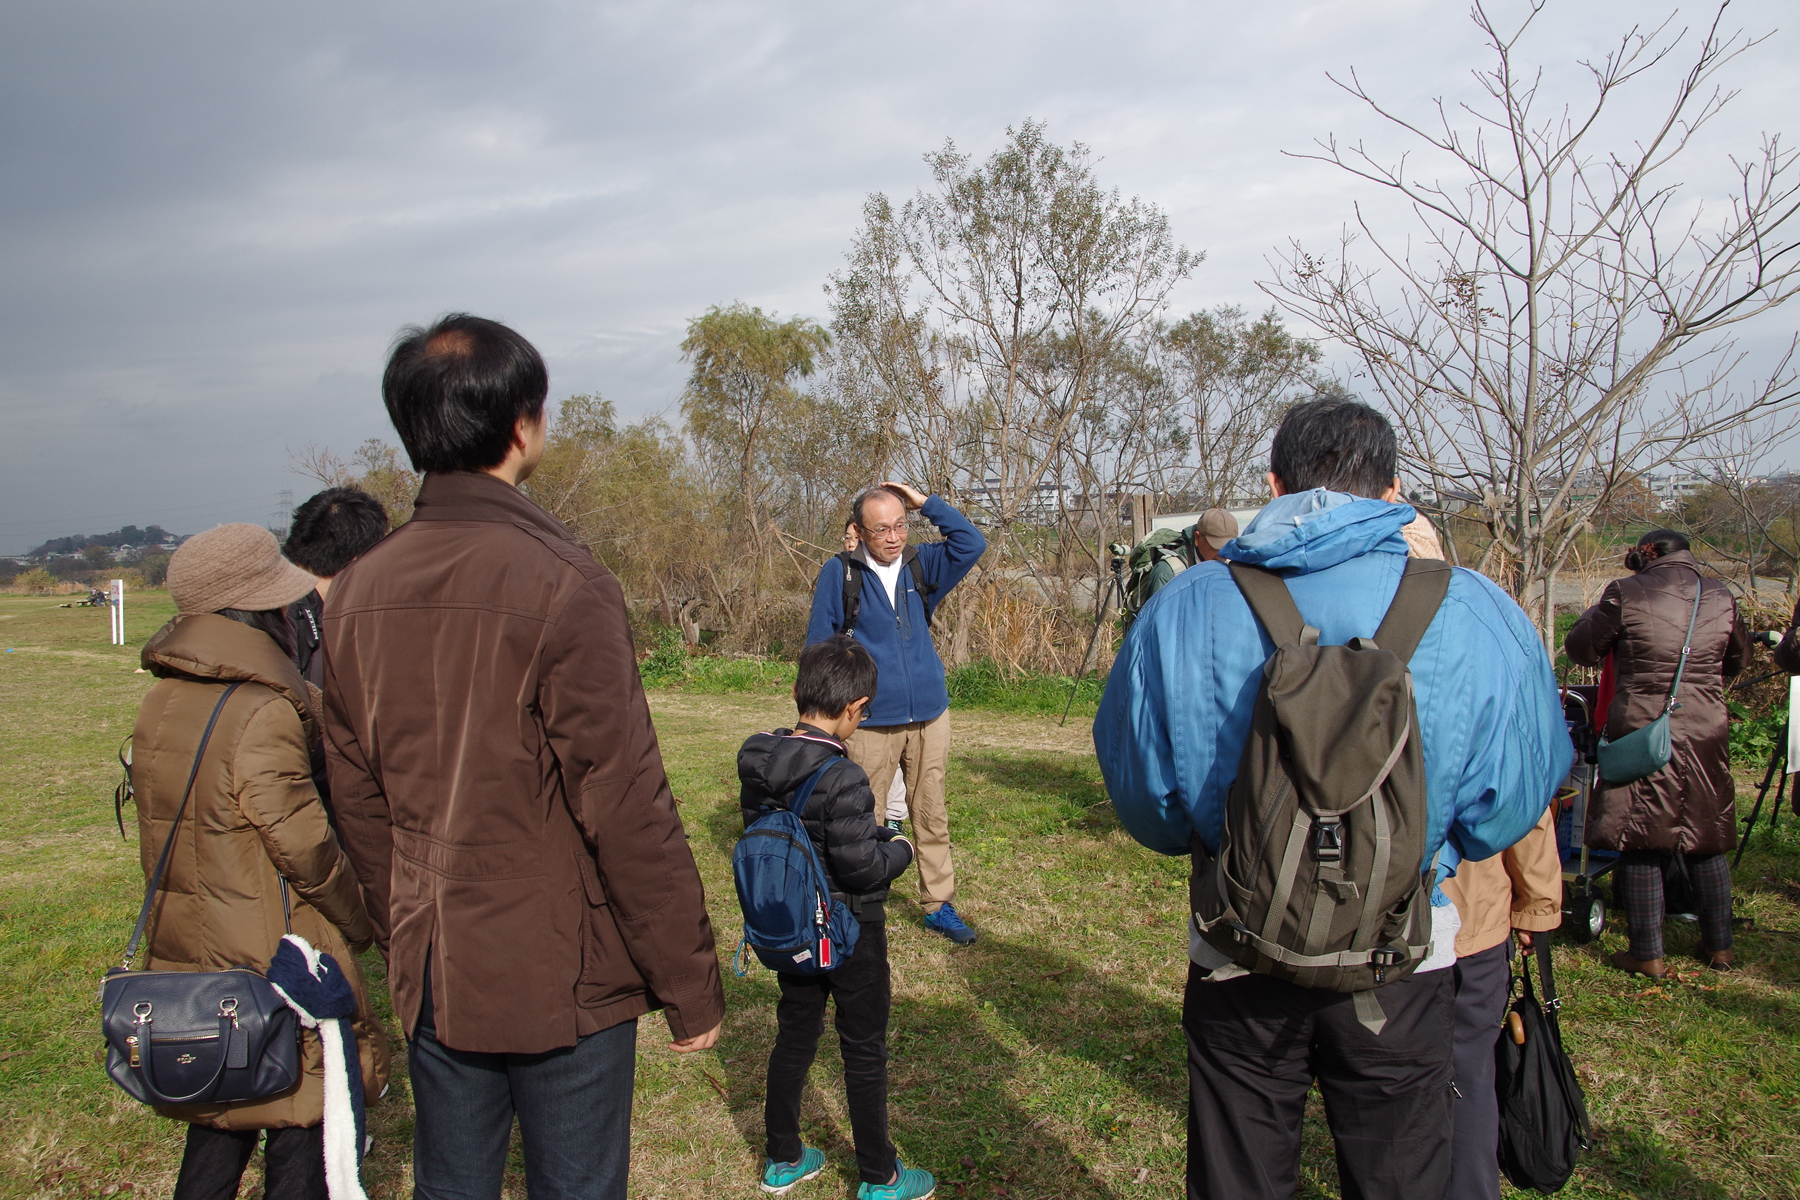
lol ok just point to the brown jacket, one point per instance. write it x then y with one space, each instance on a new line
1641 620
498 784
253 813
1519 888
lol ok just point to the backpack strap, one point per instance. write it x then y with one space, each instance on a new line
926 590
852 590
1416 601
1273 604
797 802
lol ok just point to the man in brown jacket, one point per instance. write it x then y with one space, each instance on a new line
500 792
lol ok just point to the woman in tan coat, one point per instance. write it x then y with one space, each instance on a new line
1687 808
253 820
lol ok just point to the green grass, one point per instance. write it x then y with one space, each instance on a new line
1045 1061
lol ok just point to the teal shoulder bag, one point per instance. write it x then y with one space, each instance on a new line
1644 752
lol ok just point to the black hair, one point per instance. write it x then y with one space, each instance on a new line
1335 443
273 621
456 391
856 506
334 527
1666 541
833 675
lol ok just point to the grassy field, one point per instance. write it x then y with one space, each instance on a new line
1045 1061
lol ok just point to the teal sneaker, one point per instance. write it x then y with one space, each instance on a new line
912 1184
781 1178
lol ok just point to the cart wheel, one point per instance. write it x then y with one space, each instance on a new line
1585 918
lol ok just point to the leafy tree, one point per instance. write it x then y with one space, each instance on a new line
741 390
375 467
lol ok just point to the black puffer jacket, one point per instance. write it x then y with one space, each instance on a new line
861 855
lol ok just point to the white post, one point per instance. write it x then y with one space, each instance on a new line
118 612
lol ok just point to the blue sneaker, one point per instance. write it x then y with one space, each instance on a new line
946 922
781 1178
911 1184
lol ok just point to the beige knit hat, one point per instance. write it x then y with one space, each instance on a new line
234 566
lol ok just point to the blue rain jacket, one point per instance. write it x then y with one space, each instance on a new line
1176 712
910 685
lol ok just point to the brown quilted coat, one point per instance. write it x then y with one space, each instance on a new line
1641 620
253 812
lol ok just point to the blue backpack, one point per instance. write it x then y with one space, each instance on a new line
790 918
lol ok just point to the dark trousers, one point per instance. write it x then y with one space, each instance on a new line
1256 1044
861 990
1641 893
214 1161
573 1105
1483 982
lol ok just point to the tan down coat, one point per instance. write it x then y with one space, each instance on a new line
253 813
1641 621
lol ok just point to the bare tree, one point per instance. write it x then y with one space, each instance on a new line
373 467
1561 319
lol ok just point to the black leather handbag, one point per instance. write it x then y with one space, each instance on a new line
196 1037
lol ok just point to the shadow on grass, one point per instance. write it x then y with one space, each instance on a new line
1638 1164
1067 789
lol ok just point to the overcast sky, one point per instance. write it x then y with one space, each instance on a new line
214 216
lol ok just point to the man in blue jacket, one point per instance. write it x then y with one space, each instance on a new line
894 588
1170 732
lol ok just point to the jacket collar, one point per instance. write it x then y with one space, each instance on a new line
207 646
1681 558
814 734
478 496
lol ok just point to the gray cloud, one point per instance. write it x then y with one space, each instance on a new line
214 216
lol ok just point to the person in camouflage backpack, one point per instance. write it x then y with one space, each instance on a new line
1166 553
1172 728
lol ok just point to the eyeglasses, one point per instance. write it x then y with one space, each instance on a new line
881 531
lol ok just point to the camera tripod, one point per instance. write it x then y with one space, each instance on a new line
1115 586
1777 767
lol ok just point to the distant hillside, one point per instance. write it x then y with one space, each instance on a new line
130 535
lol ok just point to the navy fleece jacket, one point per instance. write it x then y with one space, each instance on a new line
910 685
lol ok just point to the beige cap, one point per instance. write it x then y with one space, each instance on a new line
234 566
1217 526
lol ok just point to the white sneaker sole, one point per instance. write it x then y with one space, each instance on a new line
786 1188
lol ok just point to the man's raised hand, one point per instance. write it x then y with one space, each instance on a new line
910 496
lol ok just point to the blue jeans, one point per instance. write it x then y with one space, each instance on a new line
573 1105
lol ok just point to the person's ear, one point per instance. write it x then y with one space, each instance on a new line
1393 492
1275 488
858 707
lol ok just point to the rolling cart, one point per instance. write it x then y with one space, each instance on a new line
1584 906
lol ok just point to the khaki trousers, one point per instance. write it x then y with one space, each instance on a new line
922 751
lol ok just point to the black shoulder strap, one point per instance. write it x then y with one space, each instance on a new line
1273 605
926 591
1422 589
852 590
162 861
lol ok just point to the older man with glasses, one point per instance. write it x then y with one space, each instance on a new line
884 593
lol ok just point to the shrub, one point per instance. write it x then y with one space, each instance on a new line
37 581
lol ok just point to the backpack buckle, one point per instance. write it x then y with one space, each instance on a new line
1328 841
1382 959
1240 933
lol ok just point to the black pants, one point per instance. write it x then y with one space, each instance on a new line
862 993
1641 894
214 1161
1256 1044
1482 983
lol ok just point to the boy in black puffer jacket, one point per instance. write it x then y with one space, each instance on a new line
862 857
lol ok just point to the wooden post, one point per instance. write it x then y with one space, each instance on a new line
1143 507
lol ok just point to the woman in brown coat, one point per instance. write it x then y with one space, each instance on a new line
253 819
1686 808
